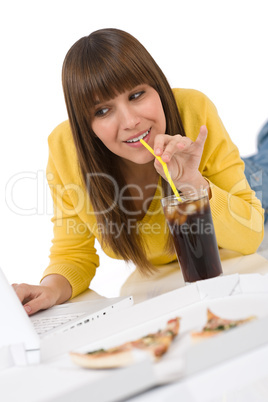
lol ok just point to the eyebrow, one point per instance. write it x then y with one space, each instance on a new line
137 87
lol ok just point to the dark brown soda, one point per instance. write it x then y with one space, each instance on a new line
195 242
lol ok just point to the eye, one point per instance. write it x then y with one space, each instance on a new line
101 112
136 95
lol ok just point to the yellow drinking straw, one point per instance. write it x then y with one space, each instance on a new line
172 185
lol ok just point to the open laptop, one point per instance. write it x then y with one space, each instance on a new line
16 328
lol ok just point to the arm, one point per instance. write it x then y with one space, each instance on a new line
236 212
73 258
72 254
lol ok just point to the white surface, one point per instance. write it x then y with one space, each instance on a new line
216 47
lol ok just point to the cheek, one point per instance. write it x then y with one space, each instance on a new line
99 129
159 111
155 110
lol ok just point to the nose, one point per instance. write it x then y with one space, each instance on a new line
129 117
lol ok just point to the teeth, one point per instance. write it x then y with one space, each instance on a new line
139 138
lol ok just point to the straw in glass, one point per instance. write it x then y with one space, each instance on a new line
172 185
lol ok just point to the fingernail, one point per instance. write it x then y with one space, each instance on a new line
165 158
158 151
28 309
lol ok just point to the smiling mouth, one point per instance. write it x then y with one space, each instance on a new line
140 137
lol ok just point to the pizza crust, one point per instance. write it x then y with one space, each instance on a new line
217 325
155 344
106 361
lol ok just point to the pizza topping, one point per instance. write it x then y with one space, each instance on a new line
215 325
96 351
156 344
219 324
221 327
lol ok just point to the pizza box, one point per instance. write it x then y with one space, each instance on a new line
157 309
232 296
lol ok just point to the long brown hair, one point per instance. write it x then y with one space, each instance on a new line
100 66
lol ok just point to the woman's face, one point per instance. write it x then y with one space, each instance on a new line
122 121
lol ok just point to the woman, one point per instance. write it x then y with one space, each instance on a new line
106 185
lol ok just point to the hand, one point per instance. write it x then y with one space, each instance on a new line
54 289
182 157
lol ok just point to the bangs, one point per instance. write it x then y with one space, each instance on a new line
98 68
105 64
110 77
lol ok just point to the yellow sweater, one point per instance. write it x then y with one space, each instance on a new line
237 213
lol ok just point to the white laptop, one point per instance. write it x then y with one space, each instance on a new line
17 330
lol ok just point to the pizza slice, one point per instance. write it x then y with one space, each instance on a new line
155 344
216 325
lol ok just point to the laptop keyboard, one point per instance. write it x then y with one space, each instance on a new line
47 324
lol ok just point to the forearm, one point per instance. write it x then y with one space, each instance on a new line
59 285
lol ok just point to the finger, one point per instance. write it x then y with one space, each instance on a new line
23 291
159 143
34 305
42 302
202 136
178 143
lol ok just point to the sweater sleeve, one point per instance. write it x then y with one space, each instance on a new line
237 213
72 254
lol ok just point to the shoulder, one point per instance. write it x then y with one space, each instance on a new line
61 143
190 98
62 133
62 150
187 93
196 109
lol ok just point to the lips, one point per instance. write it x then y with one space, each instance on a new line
137 138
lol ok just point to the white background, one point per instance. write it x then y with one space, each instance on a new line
217 47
